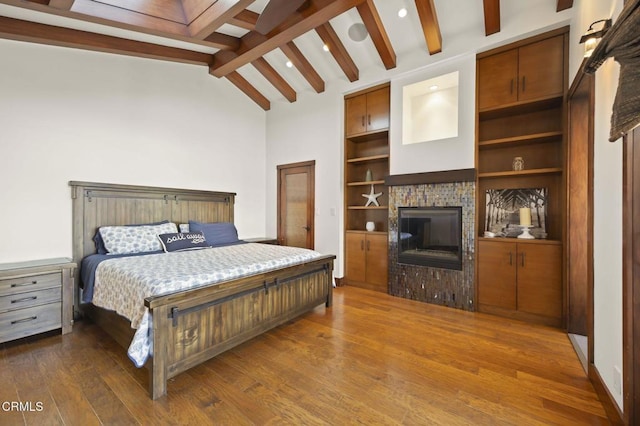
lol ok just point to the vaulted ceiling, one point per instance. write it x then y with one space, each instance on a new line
268 51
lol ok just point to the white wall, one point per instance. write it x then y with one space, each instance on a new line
607 218
68 114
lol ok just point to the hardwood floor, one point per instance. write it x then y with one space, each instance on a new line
370 359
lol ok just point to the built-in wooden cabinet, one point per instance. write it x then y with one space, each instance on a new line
366 151
521 279
367 112
521 113
366 259
526 73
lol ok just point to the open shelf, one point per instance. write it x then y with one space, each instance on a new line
369 136
368 158
367 207
520 107
510 173
520 140
371 182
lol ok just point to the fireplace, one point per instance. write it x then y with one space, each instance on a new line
430 236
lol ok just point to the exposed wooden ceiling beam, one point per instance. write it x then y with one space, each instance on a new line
246 19
491 16
372 21
255 45
337 49
302 64
16 29
430 26
215 16
274 78
61 4
564 4
226 42
241 83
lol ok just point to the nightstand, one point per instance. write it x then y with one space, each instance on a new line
262 240
35 297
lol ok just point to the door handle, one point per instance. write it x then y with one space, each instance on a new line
369 119
307 228
361 244
368 245
363 121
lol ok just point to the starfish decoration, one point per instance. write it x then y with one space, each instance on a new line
372 197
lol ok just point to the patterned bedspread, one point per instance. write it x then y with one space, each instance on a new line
122 284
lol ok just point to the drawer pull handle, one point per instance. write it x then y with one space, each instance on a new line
23 284
24 299
24 320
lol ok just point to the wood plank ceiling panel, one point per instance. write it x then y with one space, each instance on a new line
241 83
338 51
304 66
491 16
16 29
372 21
275 79
170 10
564 4
430 26
255 45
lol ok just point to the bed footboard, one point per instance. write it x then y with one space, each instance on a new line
194 326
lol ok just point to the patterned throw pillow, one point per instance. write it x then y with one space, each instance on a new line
134 239
182 241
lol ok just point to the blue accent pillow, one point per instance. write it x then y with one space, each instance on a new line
216 233
182 241
99 242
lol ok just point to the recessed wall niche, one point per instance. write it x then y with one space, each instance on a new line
430 109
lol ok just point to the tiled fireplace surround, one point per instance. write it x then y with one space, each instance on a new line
427 284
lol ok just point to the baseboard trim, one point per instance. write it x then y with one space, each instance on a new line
608 402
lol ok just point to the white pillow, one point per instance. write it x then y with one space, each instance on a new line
134 239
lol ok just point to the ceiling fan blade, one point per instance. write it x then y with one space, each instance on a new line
275 12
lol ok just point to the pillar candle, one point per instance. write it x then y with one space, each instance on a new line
525 216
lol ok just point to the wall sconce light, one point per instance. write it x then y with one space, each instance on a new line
591 37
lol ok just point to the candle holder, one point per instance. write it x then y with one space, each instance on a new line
525 233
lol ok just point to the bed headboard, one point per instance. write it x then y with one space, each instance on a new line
100 204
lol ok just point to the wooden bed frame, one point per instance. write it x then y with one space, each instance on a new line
190 327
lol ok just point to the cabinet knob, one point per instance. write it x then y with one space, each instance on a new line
361 244
369 119
363 121
368 245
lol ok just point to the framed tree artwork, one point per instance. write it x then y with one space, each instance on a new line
503 211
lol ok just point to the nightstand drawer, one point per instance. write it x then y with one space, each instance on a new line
29 283
32 298
25 322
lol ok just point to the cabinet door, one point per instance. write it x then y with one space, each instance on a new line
355 260
377 260
355 115
497 274
541 69
498 79
540 279
378 109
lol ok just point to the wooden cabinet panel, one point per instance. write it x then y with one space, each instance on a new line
355 260
498 79
541 69
521 279
497 274
540 279
355 115
378 109
377 260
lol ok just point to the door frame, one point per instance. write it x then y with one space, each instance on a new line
311 167
631 277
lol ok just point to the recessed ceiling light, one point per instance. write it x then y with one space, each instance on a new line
325 47
289 64
402 12
434 87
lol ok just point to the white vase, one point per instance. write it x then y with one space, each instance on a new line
371 226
